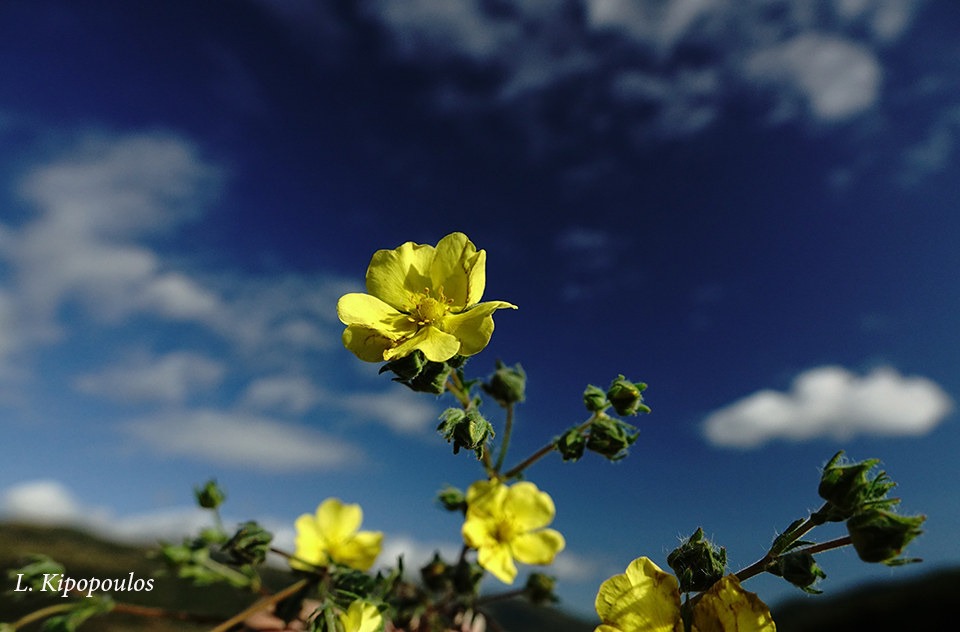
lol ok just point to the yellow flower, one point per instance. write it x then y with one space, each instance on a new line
646 599
332 536
421 298
361 616
506 523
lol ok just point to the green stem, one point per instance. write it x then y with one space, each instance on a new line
763 564
505 443
542 452
42 613
455 387
262 604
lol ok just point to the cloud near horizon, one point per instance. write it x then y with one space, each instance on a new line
830 401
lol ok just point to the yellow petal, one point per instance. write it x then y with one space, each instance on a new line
367 344
370 312
336 521
359 551
727 607
459 269
528 507
479 531
485 498
498 561
644 599
310 546
436 345
539 547
361 617
475 326
394 276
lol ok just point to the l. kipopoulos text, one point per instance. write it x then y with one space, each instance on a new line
60 583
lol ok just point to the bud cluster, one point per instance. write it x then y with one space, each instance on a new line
877 533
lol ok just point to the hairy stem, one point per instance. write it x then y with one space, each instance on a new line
505 443
542 452
261 604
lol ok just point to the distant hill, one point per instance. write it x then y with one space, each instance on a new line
905 605
85 555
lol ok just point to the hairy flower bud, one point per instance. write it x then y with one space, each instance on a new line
698 563
595 399
540 587
452 499
466 429
571 444
436 574
507 385
626 396
848 489
250 544
879 535
611 437
210 496
800 569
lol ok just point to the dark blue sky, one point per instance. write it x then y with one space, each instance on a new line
750 206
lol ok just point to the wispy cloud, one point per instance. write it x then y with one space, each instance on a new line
831 401
243 441
169 378
683 59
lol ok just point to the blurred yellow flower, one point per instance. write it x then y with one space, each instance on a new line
332 536
422 298
646 599
361 616
506 523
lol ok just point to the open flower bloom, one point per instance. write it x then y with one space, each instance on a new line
646 599
422 298
507 523
332 536
361 616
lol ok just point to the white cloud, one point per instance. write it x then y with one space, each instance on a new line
399 409
170 378
823 57
832 402
40 501
91 205
50 502
243 441
834 77
284 393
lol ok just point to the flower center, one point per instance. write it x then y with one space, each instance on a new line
429 309
505 531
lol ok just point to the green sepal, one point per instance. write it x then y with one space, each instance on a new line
698 563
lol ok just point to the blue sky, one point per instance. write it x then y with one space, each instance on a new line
749 206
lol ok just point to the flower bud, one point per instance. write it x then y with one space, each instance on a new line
407 367
611 437
848 490
698 563
539 589
436 574
879 535
452 499
507 385
571 444
250 544
466 429
595 399
800 569
625 396
210 496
